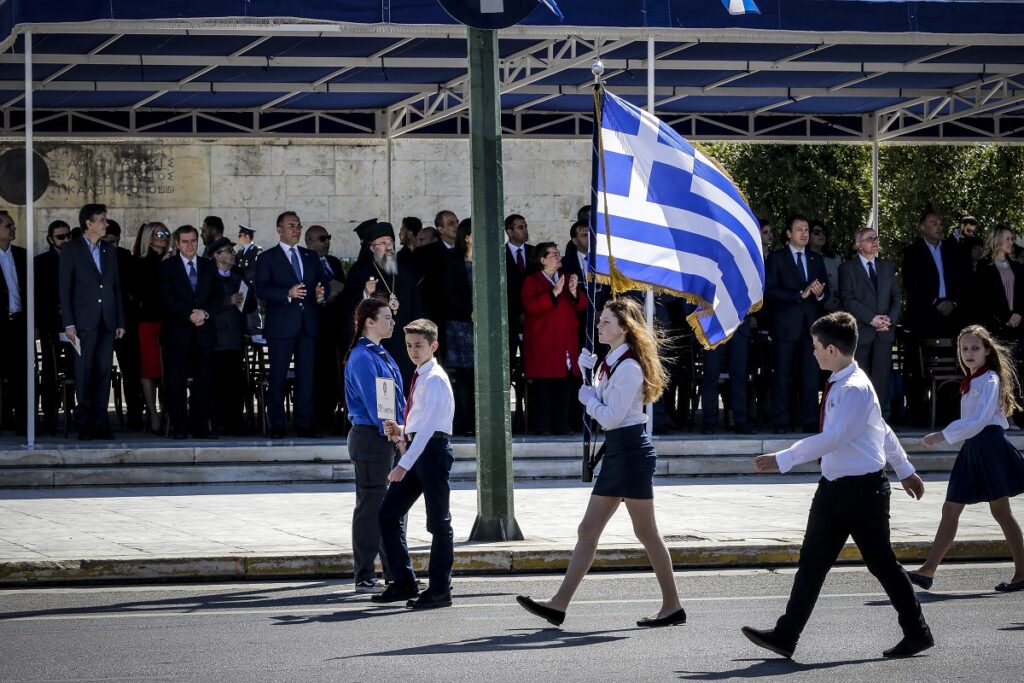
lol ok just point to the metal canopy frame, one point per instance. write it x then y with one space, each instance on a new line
816 89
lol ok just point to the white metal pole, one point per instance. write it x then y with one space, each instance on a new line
874 180
387 149
649 298
29 296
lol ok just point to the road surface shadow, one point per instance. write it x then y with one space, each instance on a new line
511 641
1013 627
761 668
934 598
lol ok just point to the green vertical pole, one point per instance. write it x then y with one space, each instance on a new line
495 520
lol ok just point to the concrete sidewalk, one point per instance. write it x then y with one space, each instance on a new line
265 531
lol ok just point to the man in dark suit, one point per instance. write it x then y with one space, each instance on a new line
127 347
13 330
932 281
48 320
93 313
407 232
290 281
327 381
191 297
212 230
796 284
429 262
868 290
517 255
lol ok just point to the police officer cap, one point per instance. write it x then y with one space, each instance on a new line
246 230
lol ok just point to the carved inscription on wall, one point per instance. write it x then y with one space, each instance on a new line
126 175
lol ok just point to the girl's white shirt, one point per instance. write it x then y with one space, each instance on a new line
619 399
979 408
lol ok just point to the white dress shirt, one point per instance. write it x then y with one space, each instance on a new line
854 440
865 261
979 408
801 261
433 409
514 250
618 401
10 274
936 252
187 261
288 255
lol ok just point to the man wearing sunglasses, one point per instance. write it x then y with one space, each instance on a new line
48 320
327 381
13 300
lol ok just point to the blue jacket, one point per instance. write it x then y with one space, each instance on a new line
366 363
274 277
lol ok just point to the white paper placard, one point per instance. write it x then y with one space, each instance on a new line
243 289
386 399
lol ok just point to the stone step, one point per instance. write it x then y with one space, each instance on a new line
303 461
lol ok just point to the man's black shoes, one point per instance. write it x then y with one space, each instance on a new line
398 592
910 646
769 641
431 600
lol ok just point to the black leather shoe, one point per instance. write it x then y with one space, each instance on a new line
744 429
769 641
780 430
707 430
307 433
103 435
179 435
397 592
428 600
275 434
550 614
84 436
674 619
921 580
908 647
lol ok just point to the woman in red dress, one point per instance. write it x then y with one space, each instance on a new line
151 248
550 343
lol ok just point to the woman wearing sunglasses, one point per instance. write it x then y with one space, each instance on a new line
151 247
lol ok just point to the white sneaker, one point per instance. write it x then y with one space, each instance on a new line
369 586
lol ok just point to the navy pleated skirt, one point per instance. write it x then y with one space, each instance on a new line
627 469
987 468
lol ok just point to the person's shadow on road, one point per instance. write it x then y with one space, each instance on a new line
761 668
930 598
511 641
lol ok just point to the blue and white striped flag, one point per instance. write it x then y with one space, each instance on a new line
667 217
741 7
553 6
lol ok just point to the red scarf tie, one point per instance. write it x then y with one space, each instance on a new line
965 383
821 409
408 399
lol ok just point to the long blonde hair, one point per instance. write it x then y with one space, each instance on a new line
645 344
1000 359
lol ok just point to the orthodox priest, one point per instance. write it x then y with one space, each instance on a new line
378 273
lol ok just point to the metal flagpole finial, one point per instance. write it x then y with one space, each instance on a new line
597 68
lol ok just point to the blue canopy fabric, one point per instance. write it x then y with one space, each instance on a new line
828 69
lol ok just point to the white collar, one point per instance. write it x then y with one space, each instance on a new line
426 367
865 261
286 247
794 250
613 357
186 261
844 373
514 248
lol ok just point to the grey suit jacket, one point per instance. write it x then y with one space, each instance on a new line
87 295
858 296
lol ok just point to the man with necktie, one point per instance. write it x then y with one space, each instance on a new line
518 253
328 380
191 296
13 331
869 290
92 309
796 285
290 281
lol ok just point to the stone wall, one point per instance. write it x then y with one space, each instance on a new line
336 185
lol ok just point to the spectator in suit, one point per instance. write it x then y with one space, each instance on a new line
48 320
870 291
92 308
327 380
426 236
796 285
767 236
13 329
932 281
212 230
518 254
191 299
819 242
289 279
151 248
1000 293
551 302
457 285
734 354
228 376
429 260
127 347
407 232
379 274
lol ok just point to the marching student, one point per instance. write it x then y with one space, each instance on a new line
630 376
988 468
852 497
423 469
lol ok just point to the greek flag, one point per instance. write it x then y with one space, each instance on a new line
667 217
553 6
741 7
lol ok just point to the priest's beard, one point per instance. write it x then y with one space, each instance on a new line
387 263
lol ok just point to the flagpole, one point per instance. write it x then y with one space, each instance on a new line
588 466
649 297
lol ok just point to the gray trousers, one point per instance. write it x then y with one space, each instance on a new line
875 358
373 457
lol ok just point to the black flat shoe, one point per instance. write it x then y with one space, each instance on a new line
674 619
550 614
908 647
428 600
397 593
769 641
1008 587
920 580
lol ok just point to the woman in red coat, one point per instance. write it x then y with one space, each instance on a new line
550 302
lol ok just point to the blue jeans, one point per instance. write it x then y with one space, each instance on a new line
429 477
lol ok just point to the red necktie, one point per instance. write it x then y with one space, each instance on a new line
408 397
821 410
520 260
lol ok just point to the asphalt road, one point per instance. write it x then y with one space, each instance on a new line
319 631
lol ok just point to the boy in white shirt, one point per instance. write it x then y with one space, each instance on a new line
423 469
852 498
